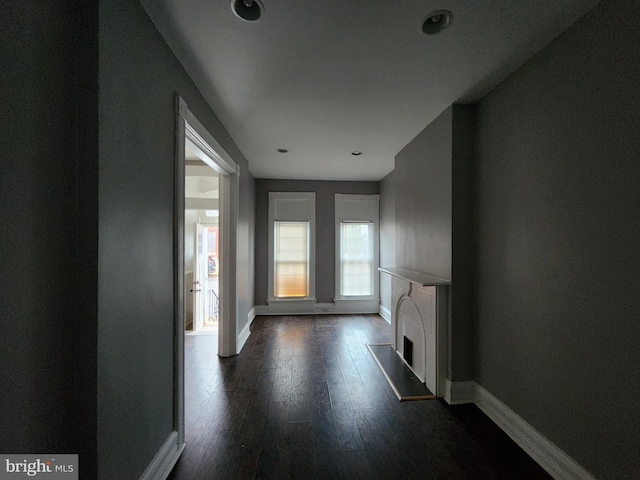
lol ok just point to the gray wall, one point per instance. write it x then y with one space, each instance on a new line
461 292
423 200
139 77
325 229
86 243
558 231
48 223
428 219
245 260
387 236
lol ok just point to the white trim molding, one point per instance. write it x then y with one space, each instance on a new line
243 336
364 209
205 145
293 207
310 307
164 461
188 130
556 462
356 305
385 313
459 393
293 306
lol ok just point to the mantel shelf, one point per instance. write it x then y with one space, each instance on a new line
415 277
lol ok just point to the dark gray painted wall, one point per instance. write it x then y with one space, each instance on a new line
431 226
423 200
48 234
86 246
135 310
139 77
245 275
387 236
325 229
461 338
558 228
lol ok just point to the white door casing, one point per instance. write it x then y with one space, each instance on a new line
213 155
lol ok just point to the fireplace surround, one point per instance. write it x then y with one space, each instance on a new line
418 320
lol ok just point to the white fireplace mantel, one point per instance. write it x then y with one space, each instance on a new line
421 279
419 323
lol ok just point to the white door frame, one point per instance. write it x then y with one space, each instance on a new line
211 153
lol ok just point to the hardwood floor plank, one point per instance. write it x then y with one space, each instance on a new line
273 463
244 466
355 464
251 432
305 400
300 404
234 414
281 389
346 427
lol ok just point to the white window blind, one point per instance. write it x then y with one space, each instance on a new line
291 259
356 259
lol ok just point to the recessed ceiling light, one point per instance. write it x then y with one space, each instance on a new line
248 10
282 150
356 153
437 21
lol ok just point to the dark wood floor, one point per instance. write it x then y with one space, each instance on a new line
304 399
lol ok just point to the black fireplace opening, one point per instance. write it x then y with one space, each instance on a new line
407 351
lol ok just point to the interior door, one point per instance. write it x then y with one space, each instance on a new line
199 277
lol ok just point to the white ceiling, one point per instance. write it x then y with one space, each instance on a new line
323 78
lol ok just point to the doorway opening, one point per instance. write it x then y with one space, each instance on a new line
193 140
202 252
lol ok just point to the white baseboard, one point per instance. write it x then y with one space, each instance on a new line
385 313
261 310
243 336
557 463
458 393
306 307
164 461
326 308
291 307
342 305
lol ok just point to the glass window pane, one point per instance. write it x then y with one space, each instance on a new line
291 259
356 259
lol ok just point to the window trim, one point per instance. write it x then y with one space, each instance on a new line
292 207
370 257
357 208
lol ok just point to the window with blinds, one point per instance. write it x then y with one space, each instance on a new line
291 259
356 259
